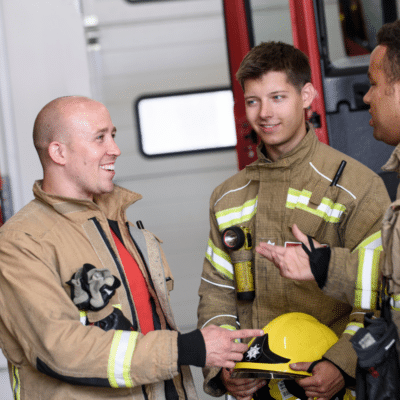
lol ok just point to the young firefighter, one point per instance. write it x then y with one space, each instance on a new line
383 98
295 181
84 296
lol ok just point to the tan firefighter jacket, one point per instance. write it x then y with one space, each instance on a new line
391 243
268 198
51 353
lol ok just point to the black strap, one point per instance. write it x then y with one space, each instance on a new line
319 261
313 364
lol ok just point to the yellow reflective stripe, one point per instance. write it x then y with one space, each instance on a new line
120 360
327 210
119 306
367 289
353 327
229 327
83 317
396 297
331 211
236 215
16 384
219 260
395 302
296 196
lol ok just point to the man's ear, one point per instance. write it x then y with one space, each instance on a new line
308 94
57 152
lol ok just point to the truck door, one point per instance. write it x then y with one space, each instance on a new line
338 36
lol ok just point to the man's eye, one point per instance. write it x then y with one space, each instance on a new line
250 102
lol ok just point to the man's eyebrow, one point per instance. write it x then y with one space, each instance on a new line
105 130
269 94
278 92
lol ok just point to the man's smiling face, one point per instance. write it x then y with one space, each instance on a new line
275 110
90 150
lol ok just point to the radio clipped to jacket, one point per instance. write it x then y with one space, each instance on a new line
239 243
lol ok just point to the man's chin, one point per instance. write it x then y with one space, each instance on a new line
106 189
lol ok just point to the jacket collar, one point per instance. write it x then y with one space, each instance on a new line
301 152
113 205
393 164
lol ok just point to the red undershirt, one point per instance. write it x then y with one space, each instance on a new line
138 286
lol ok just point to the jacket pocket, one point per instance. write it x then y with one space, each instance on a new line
315 208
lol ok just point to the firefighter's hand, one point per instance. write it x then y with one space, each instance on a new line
292 261
221 348
325 382
241 389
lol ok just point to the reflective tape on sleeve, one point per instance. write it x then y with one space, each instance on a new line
83 317
236 215
366 292
120 360
16 383
353 327
219 260
395 302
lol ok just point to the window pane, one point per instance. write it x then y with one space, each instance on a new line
180 123
271 21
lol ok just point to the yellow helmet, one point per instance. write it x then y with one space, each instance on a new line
289 338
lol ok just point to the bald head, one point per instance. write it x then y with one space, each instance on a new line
54 123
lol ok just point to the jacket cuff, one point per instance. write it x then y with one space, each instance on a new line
343 355
340 282
191 349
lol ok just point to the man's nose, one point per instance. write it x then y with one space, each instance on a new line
266 110
367 97
113 149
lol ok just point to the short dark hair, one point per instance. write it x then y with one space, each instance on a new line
278 57
389 36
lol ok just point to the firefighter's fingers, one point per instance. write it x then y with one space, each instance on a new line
242 389
301 237
325 382
221 349
245 333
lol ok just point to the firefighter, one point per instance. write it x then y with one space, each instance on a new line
383 98
85 310
296 181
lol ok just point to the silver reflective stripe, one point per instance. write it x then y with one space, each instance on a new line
219 260
327 209
16 384
232 191
218 284
368 272
353 327
236 215
83 317
120 359
330 180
